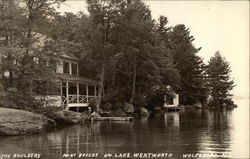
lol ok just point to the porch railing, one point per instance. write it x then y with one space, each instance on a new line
79 99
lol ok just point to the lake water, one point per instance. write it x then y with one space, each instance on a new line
207 133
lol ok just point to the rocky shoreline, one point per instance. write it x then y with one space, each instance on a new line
21 122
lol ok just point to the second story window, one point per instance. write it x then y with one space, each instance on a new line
66 67
74 68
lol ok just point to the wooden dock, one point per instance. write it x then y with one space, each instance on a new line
173 109
113 118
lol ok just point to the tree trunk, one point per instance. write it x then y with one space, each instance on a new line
100 90
113 82
134 81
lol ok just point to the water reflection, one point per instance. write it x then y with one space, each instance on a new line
189 131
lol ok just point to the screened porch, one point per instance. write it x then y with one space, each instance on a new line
76 94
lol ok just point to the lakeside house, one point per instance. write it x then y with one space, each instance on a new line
76 92
67 89
70 90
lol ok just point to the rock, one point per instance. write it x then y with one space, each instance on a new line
67 117
84 117
106 114
118 113
128 108
107 106
197 105
114 113
144 111
19 122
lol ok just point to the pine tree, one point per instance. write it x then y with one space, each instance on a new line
190 65
220 83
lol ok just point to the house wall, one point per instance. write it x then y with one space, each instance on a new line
176 100
59 66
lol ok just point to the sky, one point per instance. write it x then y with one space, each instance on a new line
216 26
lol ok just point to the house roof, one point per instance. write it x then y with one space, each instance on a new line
67 56
70 78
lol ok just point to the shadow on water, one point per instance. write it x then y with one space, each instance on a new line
188 131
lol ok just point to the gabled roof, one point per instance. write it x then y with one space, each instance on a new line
67 56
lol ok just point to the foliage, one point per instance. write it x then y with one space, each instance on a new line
219 81
191 67
15 99
119 44
25 52
129 53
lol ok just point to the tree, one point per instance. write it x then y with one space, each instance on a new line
190 65
219 81
169 72
23 48
103 15
135 41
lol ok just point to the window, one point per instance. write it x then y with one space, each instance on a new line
74 69
65 67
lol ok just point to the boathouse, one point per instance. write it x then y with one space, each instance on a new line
171 101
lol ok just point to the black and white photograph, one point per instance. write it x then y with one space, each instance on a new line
124 79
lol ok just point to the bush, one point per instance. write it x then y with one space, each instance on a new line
140 100
47 111
15 99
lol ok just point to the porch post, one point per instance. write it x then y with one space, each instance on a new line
77 92
67 91
87 93
61 93
70 68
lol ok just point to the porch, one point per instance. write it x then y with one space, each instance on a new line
77 95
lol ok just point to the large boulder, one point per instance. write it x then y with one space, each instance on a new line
19 122
144 112
128 108
67 117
